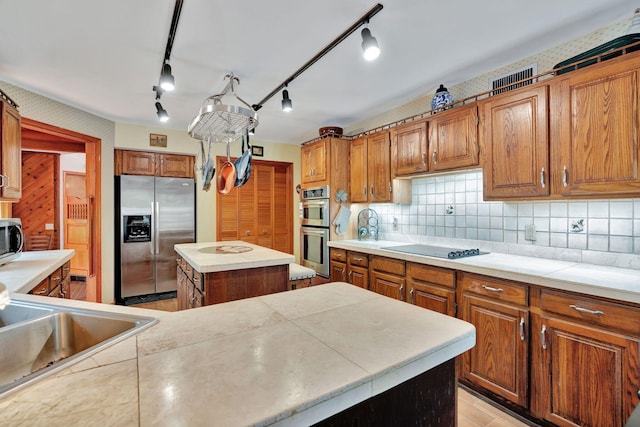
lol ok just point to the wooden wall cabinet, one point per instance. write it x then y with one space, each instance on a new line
387 276
500 360
409 149
432 288
585 355
595 130
515 144
453 138
10 155
314 162
370 172
129 162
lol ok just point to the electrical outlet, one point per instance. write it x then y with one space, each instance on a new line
48 226
530 232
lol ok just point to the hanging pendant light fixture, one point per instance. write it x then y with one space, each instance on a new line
166 82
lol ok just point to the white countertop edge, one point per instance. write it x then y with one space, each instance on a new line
19 279
472 266
379 382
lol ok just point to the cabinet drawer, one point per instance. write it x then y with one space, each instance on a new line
388 265
338 254
66 268
41 288
429 274
591 310
356 258
503 290
55 278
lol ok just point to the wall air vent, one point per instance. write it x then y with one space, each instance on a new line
507 82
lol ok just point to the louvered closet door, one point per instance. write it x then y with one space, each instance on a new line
282 209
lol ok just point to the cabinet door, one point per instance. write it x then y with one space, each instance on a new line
182 293
358 276
499 360
246 212
379 167
138 163
337 271
11 155
582 375
313 162
453 138
432 297
596 130
387 284
177 166
358 170
263 211
282 209
515 140
409 149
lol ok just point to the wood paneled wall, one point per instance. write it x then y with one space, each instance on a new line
39 204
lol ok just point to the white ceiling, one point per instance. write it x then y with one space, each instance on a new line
105 56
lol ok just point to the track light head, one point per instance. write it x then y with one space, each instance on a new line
166 78
252 131
370 47
286 101
161 112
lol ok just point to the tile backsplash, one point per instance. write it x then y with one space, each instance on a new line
451 206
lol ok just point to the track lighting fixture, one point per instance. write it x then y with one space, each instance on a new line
370 47
166 78
161 112
286 102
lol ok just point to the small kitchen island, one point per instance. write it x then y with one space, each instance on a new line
215 272
329 354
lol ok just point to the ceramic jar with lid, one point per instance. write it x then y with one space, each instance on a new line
442 97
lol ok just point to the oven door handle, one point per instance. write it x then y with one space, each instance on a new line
320 202
311 231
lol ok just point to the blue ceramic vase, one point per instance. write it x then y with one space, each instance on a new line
442 97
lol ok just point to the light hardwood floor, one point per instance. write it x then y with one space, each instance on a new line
472 411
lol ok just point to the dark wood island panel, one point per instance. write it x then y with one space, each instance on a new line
225 286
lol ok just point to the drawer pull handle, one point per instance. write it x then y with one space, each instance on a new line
543 336
492 289
337 255
564 176
542 177
350 272
434 158
401 292
586 310
412 295
522 329
357 259
42 291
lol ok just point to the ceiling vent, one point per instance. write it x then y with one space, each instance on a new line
507 82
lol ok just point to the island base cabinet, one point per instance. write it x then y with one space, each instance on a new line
428 399
582 375
224 286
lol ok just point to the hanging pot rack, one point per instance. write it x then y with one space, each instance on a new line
222 123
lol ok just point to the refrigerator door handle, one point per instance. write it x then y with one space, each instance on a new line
156 234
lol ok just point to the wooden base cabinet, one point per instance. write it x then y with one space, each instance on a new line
337 265
387 277
499 362
432 288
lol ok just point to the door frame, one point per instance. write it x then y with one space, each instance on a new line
62 140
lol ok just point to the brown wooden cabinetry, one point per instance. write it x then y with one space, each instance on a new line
314 162
337 265
431 287
409 149
585 355
453 138
595 129
358 170
515 141
260 211
10 155
130 162
358 269
387 277
499 311
57 284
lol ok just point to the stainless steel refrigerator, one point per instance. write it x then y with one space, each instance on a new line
152 215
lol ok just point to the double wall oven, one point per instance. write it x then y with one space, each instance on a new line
314 230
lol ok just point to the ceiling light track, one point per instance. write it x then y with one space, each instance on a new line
166 82
364 20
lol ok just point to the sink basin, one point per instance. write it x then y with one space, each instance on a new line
16 313
41 339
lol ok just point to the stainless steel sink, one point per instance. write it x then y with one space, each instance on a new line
42 339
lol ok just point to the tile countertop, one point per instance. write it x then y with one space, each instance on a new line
291 358
609 282
207 262
30 268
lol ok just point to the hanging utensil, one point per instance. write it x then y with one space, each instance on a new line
209 168
227 174
243 163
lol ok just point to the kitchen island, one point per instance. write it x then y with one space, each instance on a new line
216 272
291 358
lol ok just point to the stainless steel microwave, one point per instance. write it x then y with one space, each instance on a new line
11 239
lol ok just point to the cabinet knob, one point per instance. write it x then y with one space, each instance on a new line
265 232
247 233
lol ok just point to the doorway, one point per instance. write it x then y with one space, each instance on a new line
38 137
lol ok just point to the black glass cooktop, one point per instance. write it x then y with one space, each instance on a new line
436 251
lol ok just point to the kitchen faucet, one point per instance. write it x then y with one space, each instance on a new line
4 296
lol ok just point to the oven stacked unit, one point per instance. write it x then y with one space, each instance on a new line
314 230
